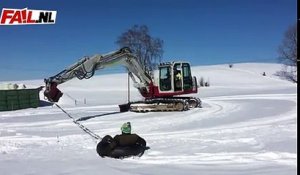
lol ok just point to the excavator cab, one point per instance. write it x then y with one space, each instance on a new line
176 77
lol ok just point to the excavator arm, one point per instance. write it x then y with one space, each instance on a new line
85 68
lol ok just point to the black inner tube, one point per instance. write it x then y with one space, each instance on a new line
103 149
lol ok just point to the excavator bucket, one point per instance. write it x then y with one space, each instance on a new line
52 93
124 107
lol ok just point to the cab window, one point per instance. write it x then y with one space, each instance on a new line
165 78
187 77
186 70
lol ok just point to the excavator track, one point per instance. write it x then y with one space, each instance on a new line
193 102
165 104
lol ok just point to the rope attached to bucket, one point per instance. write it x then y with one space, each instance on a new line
85 129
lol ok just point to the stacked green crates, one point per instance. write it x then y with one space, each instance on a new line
24 101
34 98
19 99
3 103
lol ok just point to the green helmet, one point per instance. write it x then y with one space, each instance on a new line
126 128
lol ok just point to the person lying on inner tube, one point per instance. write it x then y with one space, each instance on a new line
108 145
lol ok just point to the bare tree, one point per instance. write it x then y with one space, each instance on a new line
148 49
288 53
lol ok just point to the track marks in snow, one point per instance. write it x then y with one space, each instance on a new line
219 134
238 159
242 140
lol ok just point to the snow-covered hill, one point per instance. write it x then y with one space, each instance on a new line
247 126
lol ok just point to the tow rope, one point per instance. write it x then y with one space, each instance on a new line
85 129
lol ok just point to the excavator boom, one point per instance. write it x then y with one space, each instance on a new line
85 68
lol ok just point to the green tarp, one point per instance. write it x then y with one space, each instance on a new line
19 99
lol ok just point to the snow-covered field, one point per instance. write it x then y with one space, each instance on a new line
247 126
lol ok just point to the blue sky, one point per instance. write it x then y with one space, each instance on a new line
203 32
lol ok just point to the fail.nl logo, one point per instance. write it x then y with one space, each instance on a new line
27 16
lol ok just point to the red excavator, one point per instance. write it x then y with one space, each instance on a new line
160 88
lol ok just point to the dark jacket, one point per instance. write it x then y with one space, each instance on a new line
129 140
108 144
